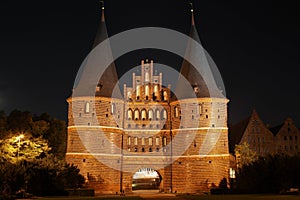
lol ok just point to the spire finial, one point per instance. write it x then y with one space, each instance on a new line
102 15
192 11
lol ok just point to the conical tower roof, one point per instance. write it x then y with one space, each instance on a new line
107 85
201 80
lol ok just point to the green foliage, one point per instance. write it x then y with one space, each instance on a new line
57 137
269 175
19 121
244 155
32 150
17 148
11 177
223 184
43 126
47 176
2 124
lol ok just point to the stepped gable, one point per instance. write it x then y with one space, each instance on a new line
276 129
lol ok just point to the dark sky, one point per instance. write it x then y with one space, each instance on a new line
255 45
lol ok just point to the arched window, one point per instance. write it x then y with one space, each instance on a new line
135 141
147 78
113 108
138 92
87 107
150 141
199 109
164 114
129 140
157 115
147 92
157 141
164 141
143 141
165 94
136 114
176 113
150 114
129 96
144 114
129 114
155 92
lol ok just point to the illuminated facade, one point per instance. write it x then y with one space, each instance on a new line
263 140
146 120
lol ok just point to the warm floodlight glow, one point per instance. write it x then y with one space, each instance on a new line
19 140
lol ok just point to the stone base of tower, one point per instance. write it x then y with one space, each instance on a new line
188 174
98 176
198 175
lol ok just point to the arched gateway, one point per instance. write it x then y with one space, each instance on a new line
146 178
134 135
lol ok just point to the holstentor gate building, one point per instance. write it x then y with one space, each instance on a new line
139 129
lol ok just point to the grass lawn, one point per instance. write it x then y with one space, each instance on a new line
91 198
184 197
239 197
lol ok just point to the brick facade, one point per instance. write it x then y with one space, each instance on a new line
145 122
281 139
185 140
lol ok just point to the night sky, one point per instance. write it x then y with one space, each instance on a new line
255 45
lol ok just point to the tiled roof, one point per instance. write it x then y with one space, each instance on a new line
236 132
205 86
108 82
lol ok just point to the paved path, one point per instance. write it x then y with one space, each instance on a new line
153 194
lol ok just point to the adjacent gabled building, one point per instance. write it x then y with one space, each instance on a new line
282 139
286 138
254 132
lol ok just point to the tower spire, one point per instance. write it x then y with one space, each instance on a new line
102 15
201 80
192 12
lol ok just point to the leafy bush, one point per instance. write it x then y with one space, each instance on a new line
269 175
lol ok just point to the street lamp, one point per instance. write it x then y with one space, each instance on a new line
19 144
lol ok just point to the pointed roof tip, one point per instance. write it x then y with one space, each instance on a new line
102 14
288 119
193 18
192 12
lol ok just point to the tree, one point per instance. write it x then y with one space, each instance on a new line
11 178
19 121
43 176
42 126
244 155
2 124
23 147
270 174
57 137
39 128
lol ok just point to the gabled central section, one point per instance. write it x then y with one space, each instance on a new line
146 86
